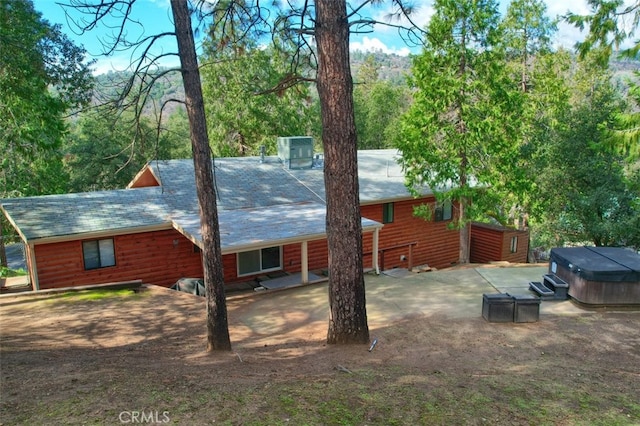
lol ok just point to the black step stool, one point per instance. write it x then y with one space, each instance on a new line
558 285
544 292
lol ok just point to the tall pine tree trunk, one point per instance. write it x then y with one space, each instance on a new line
348 320
217 325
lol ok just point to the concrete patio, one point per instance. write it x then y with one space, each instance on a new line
454 293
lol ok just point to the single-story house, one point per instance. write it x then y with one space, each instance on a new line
271 213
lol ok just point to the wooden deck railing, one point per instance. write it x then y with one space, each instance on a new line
398 246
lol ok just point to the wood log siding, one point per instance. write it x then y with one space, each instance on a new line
317 252
436 244
486 244
493 244
145 179
151 257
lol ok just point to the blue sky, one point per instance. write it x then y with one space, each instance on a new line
156 17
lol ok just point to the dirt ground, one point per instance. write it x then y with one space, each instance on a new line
139 358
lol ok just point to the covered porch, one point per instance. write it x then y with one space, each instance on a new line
257 228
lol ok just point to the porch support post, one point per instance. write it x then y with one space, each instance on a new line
305 263
374 255
32 267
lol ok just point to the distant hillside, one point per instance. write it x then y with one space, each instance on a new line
109 86
394 68
624 70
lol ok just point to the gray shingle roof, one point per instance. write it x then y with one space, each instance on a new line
240 183
71 214
262 227
380 177
257 201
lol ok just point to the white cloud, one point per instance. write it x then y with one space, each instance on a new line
375 45
385 38
555 8
568 35
104 65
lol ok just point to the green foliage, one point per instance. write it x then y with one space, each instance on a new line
459 133
588 196
378 106
625 137
527 28
175 136
538 73
42 75
6 272
251 94
610 23
527 35
111 85
544 108
105 152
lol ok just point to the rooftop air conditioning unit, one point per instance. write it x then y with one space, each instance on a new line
296 152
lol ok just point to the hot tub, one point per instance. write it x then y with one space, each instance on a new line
599 276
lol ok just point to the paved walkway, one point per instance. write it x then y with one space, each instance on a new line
456 293
15 256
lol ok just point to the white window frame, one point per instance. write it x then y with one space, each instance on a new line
106 253
514 244
261 269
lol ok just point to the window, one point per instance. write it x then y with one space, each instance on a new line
444 211
98 254
387 213
514 244
255 261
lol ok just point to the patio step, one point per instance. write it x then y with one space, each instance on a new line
558 285
541 290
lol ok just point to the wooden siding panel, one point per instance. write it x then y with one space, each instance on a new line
520 255
292 257
144 179
291 261
159 258
318 252
486 245
436 244
163 257
493 244
229 268
317 255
